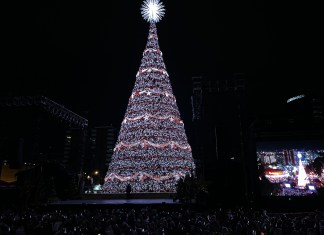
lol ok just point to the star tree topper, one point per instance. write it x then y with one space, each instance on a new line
152 11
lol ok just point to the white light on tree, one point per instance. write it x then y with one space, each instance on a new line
152 10
152 152
302 176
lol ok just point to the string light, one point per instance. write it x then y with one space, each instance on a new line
152 151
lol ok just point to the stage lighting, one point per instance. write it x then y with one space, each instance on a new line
287 185
311 187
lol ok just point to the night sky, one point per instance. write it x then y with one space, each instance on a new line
85 54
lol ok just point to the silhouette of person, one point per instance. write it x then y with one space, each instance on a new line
128 191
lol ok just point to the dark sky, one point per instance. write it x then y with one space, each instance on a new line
86 54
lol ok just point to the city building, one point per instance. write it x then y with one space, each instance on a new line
219 139
88 152
102 141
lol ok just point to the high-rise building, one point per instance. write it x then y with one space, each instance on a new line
219 141
75 149
102 141
89 150
219 118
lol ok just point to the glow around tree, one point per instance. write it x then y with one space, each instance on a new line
152 152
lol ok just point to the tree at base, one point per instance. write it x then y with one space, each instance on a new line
152 152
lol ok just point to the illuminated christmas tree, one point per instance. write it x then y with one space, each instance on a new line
302 176
152 152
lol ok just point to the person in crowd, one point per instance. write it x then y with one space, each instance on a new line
128 191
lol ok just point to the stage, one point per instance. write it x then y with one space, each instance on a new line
148 201
120 199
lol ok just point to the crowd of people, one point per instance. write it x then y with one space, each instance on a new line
150 219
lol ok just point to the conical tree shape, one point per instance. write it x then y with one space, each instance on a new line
302 176
152 152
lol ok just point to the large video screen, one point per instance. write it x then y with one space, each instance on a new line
291 167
